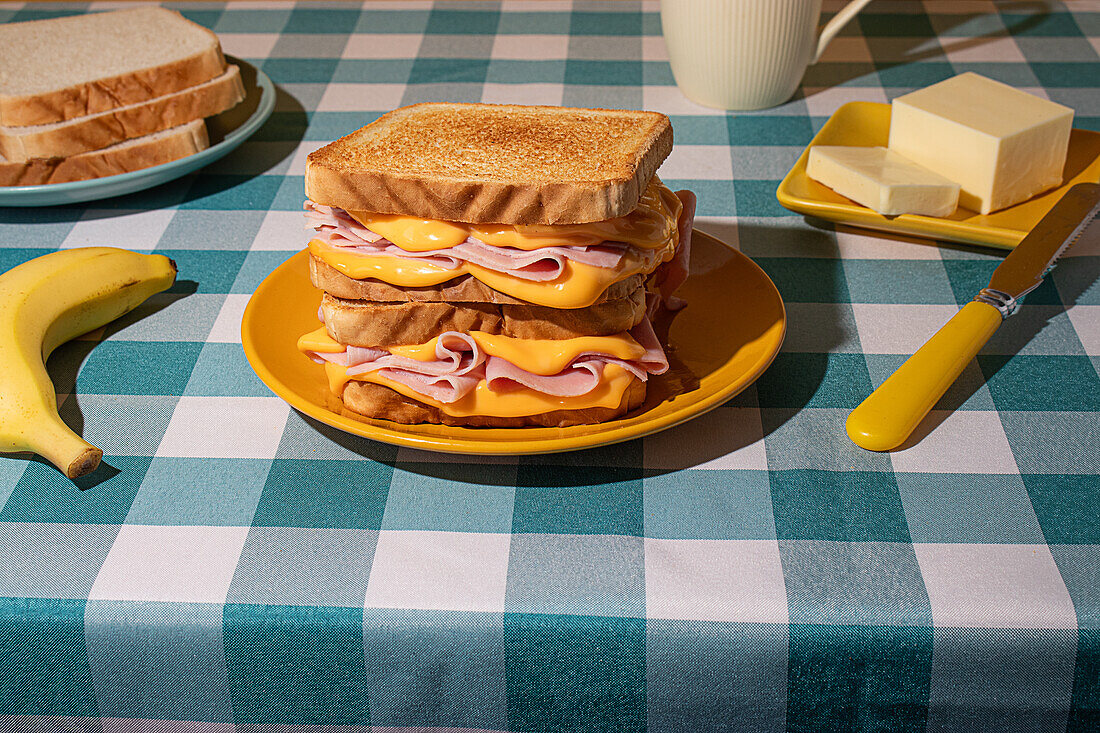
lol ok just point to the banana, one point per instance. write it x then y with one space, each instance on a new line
44 303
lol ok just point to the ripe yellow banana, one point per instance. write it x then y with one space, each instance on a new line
44 303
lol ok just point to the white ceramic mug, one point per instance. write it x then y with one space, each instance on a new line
745 54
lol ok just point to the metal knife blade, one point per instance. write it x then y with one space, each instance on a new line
1024 268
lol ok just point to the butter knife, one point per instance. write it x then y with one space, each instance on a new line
887 417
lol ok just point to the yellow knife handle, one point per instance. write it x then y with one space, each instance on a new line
886 418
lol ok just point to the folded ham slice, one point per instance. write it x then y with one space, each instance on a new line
460 365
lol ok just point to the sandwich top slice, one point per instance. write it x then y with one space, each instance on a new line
60 68
493 265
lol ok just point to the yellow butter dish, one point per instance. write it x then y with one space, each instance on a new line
868 124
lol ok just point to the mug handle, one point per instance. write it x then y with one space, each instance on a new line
833 26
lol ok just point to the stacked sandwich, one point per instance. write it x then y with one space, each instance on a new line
495 266
94 95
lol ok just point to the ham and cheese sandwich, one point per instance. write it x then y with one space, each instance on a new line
488 265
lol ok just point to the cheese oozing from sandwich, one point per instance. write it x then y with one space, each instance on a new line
561 266
477 373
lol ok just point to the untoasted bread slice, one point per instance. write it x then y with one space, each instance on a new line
505 164
60 68
463 289
132 155
374 400
72 137
365 323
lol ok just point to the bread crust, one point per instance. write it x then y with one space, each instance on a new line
505 164
370 324
462 289
94 132
132 155
375 401
109 92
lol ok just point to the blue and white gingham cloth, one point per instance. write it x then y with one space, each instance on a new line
238 567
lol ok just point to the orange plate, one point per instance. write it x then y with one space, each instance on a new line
868 124
726 337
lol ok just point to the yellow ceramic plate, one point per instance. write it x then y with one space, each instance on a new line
868 124
725 339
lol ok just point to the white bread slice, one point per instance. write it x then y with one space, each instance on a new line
132 155
72 137
57 69
484 163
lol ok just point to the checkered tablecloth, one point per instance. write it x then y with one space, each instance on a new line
237 566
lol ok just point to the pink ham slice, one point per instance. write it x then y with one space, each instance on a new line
460 365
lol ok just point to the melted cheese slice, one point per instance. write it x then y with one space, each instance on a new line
483 401
651 225
578 286
539 356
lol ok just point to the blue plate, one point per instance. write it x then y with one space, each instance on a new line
229 129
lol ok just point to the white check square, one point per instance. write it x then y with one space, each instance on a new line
967 441
1086 322
282 231
227 326
224 427
248 45
671 101
170 564
857 244
455 571
547 94
382 45
898 329
823 102
531 47
699 162
355 97
135 230
988 50
715 580
995 586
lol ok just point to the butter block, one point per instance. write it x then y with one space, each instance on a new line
882 180
1001 145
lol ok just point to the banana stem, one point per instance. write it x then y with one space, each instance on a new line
73 456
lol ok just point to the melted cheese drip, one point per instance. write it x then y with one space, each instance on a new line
578 286
539 356
650 225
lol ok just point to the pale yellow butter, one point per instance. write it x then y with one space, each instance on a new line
882 180
1001 145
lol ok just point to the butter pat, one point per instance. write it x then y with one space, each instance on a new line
882 180
1001 145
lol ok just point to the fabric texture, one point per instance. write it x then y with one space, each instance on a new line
238 567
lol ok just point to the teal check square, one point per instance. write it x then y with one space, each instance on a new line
968 508
585 72
231 192
605 24
533 23
807 280
205 271
300 71
757 198
715 197
451 497
1066 383
282 127
575 673
176 492
799 380
129 367
1085 708
700 129
925 281
518 71
374 71
43 659
247 20
296 664
746 130
1062 74
258 264
333 125
1051 24
43 494
439 71
1068 507
221 370
578 500
410 20
889 691
307 493
462 22
856 506
321 20
1013 74
206 18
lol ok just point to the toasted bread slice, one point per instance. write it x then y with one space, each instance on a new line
376 401
364 323
505 164
132 155
57 69
79 135
463 289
